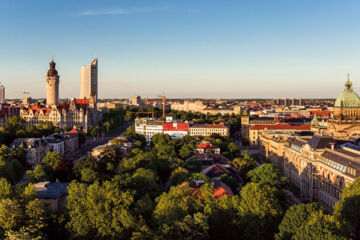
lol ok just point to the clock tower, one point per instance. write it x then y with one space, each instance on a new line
52 85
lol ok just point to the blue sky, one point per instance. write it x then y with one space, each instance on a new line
187 48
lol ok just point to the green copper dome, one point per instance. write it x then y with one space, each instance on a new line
348 98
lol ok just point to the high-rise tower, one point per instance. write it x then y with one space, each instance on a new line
89 80
52 85
2 94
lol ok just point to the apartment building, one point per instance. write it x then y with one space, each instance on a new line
206 130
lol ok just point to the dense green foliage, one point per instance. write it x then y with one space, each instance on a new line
12 163
15 128
347 209
53 167
142 196
267 174
22 215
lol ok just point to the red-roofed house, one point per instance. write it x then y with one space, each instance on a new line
206 146
255 130
176 130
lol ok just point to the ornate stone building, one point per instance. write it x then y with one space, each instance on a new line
77 113
320 166
346 118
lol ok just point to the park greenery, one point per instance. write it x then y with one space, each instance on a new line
16 128
139 196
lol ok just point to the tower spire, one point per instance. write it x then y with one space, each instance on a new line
348 84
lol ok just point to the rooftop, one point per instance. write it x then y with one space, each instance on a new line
303 127
51 189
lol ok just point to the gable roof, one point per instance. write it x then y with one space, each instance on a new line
205 144
320 142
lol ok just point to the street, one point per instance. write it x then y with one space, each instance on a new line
87 148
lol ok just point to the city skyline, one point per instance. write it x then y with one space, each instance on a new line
244 49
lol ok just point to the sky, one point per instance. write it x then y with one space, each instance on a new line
183 48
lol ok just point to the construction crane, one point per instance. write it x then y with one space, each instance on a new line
163 103
152 113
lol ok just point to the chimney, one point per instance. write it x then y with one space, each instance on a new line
332 146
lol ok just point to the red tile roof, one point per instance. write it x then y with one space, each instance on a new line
205 145
175 127
320 113
304 127
73 131
82 101
220 189
37 109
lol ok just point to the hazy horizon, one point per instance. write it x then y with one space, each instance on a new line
187 49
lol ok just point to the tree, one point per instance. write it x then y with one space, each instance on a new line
244 164
175 205
88 175
160 140
320 226
128 116
233 150
230 181
5 188
35 217
267 174
178 176
107 125
187 150
64 170
190 227
52 159
87 162
37 175
99 211
347 211
96 131
145 181
14 124
199 176
295 217
11 214
29 193
258 211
